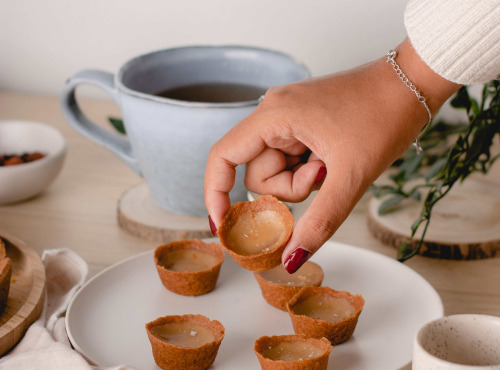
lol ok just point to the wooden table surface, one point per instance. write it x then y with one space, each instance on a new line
79 211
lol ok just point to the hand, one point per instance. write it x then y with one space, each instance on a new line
355 123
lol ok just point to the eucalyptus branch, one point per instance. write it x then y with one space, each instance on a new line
442 166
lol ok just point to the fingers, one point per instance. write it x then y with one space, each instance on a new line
273 172
219 180
334 201
239 146
220 171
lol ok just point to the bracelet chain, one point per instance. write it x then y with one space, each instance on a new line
391 55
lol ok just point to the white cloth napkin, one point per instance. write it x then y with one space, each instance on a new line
45 345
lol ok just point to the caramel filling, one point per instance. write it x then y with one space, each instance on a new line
307 275
183 334
254 233
293 351
188 260
325 308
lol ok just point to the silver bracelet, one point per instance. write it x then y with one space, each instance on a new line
391 55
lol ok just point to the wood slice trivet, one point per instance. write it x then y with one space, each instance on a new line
26 294
139 215
465 224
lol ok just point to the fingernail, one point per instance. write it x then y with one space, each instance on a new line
213 229
321 175
296 259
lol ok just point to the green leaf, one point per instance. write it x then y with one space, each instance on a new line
474 107
380 191
405 251
411 166
414 176
415 194
117 123
415 224
439 185
389 204
436 168
397 177
462 99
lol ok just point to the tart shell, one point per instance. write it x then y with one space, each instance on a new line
190 283
264 260
171 357
316 363
337 332
277 295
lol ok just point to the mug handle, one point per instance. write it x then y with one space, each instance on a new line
74 115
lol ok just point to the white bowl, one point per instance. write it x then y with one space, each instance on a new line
23 181
458 342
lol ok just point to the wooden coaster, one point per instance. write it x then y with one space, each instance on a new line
465 224
27 291
139 215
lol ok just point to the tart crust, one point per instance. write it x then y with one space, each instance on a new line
337 332
264 260
171 357
190 283
277 295
316 363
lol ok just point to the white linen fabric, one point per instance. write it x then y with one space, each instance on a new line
45 345
457 39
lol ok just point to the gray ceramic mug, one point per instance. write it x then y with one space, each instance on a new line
168 140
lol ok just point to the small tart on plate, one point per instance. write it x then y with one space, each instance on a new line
255 233
189 267
5 274
189 342
292 352
278 286
323 312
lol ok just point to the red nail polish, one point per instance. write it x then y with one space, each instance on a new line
213 229
296 259
321 175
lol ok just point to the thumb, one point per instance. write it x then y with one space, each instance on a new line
334 201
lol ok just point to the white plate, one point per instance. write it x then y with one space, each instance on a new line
105 320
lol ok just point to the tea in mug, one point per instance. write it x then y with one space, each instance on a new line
214 93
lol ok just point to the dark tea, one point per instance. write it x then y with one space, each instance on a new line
214 93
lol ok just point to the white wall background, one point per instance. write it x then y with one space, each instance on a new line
42 42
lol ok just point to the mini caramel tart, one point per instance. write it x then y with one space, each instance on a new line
188 342
255 233
292 352
189 267
278 286
323 312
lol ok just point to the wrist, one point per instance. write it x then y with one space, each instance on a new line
429 84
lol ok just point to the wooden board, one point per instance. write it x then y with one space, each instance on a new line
27 291
465 225
139 215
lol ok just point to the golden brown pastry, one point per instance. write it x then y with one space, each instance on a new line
256 233
323 312
189 267
278 286
292 352
188 342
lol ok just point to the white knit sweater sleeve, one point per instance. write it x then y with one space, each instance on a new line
457 39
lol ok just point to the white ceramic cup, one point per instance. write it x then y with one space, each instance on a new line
458 342
168 140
